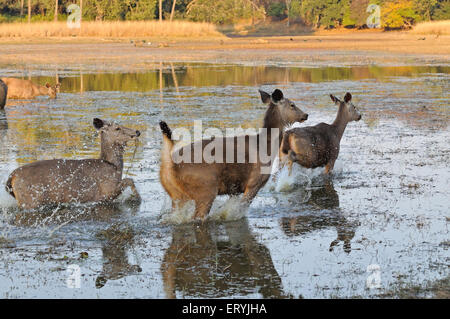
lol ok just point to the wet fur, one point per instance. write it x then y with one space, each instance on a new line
52 182
26 89
3 94
319 145
202 182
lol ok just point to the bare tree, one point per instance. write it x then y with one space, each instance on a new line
29 11
56 10
81 10
288 7
21 8
160 10
173 9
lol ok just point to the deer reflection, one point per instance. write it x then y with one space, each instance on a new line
218 260
3 125
117 240
325 213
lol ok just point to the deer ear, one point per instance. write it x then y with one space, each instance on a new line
334 99
347 97
47 85
277 95
265 97
98 124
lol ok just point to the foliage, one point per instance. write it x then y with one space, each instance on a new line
316 13
398 14
277 10
222 11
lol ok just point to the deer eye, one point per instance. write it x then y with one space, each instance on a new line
292 105
118 129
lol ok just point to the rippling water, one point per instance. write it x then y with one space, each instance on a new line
387 204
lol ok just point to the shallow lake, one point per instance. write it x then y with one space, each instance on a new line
381 224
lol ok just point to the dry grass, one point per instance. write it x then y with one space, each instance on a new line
116 29
433 27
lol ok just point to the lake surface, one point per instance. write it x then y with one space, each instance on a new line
383 219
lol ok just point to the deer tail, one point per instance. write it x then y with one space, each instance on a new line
9 187
167 143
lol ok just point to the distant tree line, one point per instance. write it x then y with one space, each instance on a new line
314 13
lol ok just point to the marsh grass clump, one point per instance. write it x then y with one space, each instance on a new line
433 27
109 29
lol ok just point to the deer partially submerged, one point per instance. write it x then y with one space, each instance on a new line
52 182
25 89
3 94
318 146
202 181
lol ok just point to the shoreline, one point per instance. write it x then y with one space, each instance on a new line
398 49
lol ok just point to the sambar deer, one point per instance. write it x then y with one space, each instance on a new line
318 146
3 94
202 181
25 89
52 182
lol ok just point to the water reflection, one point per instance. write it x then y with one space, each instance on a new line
201 75
218 260
323 213
3 124
117 240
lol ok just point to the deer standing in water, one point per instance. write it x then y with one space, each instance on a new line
57 181
203 181
318 146
3 94
25 89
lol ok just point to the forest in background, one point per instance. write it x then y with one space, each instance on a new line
394 14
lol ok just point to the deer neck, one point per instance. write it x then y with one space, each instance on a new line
272 119
42 90
341 121
112 153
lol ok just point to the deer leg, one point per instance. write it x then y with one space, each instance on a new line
202 208
290 167
128 182
250 193
333 243
204 202
329 167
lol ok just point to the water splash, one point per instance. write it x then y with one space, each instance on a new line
283 182
224 209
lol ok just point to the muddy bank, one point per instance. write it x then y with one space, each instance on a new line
383 49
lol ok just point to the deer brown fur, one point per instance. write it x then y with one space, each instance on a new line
318 146
3 94
52 182
203 181
25 89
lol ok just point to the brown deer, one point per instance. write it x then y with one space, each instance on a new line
52 182
25 89
318 146
3 94
203 181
